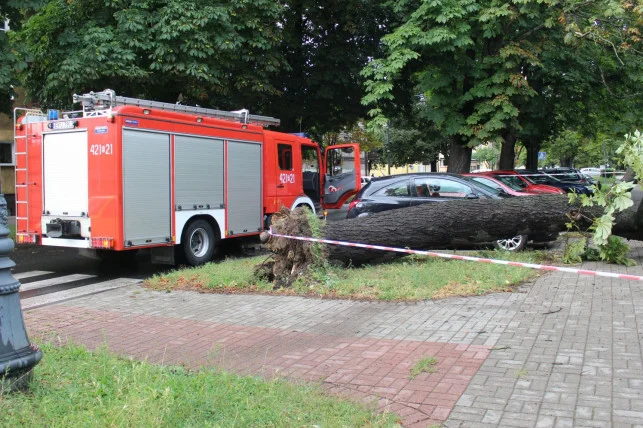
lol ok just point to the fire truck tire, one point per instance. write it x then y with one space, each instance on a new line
198 243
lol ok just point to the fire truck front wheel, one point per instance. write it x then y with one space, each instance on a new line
199 243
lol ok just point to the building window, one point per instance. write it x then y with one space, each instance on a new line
6 153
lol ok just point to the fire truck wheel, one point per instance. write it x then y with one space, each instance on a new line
198 243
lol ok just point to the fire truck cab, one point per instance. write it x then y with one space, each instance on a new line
126 174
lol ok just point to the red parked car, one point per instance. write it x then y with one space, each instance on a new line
519 184
515 185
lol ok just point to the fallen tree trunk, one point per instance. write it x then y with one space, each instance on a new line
461 223
453 224
427 227
448 225
629 223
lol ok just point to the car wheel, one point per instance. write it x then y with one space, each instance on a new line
199 243
516 243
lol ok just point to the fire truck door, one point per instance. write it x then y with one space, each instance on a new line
343 174
146 188
288 183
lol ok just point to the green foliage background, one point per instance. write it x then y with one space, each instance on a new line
563 75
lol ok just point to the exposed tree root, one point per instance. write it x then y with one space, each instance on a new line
292 258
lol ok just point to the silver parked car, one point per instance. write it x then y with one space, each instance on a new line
592 172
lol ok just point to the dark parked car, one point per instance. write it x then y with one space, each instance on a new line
570 175
515 180
401 191
405 190
539 177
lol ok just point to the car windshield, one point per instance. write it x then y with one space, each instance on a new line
489 189
541 178
566 175
493 190
512 181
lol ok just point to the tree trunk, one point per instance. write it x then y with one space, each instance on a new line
464 222
507 152
459 156
427 227
533 147
629 175
629 223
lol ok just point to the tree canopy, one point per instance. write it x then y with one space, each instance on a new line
494 71
299 61
12 12
213 54
442 75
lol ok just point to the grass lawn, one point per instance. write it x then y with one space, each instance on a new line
409 278
74 387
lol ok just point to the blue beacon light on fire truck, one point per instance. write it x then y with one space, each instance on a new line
59 124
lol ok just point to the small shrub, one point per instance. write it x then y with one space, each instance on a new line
575 248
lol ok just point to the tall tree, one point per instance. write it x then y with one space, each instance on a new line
219 54
326 44
590 80
12 13
486 69
299 61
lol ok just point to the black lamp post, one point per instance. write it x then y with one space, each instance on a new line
17 355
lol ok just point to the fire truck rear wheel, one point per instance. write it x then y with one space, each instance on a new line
199 243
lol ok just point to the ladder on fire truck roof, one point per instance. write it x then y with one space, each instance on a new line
22 142
101 103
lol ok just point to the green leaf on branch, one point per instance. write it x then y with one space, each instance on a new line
602 229
622 202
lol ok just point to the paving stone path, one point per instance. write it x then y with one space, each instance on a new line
565 350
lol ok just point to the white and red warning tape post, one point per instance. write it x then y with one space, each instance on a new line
457 257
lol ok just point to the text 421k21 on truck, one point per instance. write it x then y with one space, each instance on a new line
126 174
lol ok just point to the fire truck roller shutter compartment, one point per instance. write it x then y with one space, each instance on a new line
198 173
244 188
146 188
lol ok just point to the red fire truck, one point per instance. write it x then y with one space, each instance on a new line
126 174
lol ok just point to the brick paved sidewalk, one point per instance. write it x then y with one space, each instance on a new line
375 371
563 351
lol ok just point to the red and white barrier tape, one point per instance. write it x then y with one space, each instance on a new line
468 258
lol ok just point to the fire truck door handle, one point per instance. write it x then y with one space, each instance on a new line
280 186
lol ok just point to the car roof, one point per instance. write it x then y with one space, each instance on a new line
377 183
497 171
488 177
417 174
565 169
